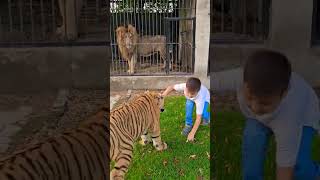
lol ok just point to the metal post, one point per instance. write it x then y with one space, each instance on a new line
222 16
32 22
42 20
21 15
54 27
10 16
167 49
194 43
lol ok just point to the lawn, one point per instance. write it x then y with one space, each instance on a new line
181 160
227 136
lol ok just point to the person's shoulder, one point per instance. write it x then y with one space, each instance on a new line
295 75
298 80
203 87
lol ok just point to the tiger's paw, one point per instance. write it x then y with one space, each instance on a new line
144 142
145 139
161 147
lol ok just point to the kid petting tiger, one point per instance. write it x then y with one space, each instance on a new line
196 94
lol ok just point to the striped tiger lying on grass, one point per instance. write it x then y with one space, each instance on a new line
138 118
74 155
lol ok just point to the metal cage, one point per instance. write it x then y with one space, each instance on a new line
239 20
165 32
53 22
316 23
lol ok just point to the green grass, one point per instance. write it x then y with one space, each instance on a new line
227 137
175 162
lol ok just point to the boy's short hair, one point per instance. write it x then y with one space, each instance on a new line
267 73
193 84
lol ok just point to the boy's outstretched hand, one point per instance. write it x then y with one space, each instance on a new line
190 137
194 129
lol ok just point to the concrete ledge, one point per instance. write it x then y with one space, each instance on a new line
122 83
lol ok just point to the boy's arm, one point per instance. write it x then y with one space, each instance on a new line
199 109
285 173
176 87
168 90
195 128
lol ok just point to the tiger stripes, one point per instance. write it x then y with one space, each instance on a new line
79 154
128 122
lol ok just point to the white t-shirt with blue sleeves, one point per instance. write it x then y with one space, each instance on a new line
201 98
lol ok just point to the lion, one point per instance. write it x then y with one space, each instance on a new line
127 44
131 46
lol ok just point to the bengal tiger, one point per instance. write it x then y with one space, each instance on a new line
138 118
77 154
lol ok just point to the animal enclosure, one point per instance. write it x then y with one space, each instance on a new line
239 20
152 37
53 22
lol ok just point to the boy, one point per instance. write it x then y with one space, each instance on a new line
276 101
197 94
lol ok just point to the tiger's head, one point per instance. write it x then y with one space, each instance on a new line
161 102
159 99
